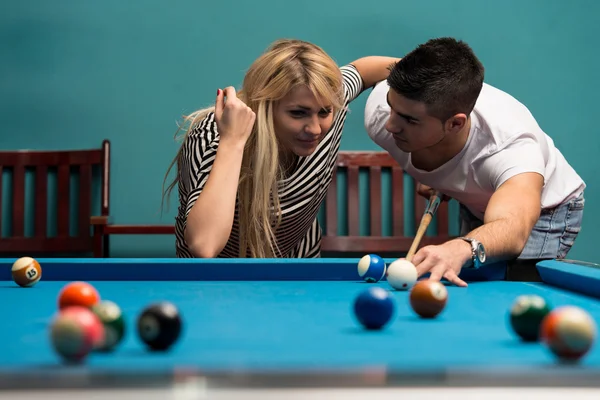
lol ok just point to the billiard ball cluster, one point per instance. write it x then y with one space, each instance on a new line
85 323
79 326
567 331
375 306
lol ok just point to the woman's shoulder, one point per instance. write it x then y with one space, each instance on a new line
204 128
202 137
353 83
349 70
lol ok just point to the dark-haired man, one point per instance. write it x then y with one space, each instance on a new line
452 132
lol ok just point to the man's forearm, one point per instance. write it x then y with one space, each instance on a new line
502 239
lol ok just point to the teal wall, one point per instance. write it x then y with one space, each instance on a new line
75 72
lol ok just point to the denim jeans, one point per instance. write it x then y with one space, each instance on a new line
552 236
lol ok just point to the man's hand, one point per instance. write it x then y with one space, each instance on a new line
443 261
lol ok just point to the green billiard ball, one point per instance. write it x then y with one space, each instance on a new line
114 326
526 315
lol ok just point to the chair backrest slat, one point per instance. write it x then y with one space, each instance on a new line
331 207
41 201
105 190
1 185
377 164
18 203
85 201
71 198
375 200
353 206
420 204
398 201
442 220
64 200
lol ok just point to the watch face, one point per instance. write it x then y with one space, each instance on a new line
481 253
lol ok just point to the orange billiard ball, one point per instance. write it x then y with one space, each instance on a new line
78 294
568 332
26 272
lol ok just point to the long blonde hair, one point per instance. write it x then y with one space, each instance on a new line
285 65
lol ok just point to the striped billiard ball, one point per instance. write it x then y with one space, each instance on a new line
371 268
26 272
428 298
111 317
568 332
526 315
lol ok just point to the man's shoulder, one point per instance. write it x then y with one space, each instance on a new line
499 119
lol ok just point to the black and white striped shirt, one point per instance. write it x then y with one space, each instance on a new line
301 194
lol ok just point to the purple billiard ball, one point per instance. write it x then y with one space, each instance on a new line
374 308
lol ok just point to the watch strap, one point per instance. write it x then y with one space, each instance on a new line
474 261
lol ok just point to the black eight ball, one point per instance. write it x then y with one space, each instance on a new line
159 325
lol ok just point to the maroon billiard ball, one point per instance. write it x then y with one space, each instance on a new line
428 298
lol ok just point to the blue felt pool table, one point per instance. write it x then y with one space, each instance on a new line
290 322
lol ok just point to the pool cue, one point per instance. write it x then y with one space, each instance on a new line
434 202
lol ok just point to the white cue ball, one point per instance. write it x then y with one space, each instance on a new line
401 274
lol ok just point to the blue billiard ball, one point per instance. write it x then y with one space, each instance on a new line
371 268
374 307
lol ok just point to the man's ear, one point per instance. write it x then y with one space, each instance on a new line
455 123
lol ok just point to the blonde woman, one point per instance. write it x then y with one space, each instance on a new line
254 169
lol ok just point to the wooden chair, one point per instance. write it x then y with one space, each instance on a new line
103 229
375 242
29 174
333 242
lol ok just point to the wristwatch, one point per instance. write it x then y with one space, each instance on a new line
477 251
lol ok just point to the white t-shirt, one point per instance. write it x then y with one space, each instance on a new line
504 140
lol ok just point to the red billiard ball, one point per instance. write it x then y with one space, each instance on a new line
568 332
428 298
75 332
78 294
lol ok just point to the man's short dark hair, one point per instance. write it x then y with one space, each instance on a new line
443 73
